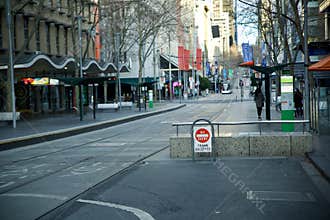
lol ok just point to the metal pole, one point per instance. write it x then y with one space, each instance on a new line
10 63
154 65
180 86
169 64
267 91
94 101
80 69
306 78
194 59
117 42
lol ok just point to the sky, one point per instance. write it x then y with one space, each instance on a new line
246 34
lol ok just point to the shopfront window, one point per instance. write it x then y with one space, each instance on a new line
26 32
324 110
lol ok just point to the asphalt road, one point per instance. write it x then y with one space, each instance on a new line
276 188
81 176
37 178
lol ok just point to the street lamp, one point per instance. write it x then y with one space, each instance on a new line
10 63
80 68
117 46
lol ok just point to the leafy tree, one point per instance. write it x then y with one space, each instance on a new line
204 83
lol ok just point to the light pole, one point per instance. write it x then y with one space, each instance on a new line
10 63
118 87
306 77
169 65
80 68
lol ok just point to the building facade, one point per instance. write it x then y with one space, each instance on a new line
46 53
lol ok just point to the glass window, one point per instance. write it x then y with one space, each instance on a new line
26 32
48 37
38 36
57 40
66 41
59 4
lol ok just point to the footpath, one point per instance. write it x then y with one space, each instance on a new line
51 126
31 130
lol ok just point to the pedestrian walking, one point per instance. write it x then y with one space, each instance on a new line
298 103
259 99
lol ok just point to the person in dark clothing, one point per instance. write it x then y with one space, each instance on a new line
298 104
259 99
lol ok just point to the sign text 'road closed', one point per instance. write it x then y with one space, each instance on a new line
202 139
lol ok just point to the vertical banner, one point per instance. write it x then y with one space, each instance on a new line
245 50
181 57
287 112
199 59
247 55
250 54
186 59
224 74
263 55
208 69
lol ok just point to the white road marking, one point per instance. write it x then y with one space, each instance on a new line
106 144
43 196
280 196
39 165
96 164
7 184
142 215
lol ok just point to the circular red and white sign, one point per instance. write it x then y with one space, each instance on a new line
202 135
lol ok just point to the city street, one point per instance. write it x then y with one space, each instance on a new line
164 110
124 172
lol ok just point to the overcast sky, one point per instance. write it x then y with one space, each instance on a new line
247 33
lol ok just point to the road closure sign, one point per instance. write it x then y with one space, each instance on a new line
202 139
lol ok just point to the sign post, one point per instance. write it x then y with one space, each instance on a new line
287 112
202 137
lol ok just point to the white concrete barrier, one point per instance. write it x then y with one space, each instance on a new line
127 104
8 116
108 106
274 144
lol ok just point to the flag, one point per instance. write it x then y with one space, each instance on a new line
186 59
181 57
199 59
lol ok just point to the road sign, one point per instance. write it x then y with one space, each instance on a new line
202 139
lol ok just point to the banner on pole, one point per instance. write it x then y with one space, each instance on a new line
181 57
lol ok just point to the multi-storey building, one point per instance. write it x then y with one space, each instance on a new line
46 46
223 17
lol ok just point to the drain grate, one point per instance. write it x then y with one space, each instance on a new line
281 196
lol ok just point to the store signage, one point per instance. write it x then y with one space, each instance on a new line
287 92
40 81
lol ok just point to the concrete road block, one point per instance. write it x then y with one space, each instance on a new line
270 145
301 143
180 147
232 146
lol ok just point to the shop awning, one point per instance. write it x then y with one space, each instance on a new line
322 65
247 64
267 69
135 81
74 81
164 61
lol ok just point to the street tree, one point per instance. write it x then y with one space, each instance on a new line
279 25
138 23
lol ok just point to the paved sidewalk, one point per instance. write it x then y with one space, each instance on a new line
321 154
51 126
